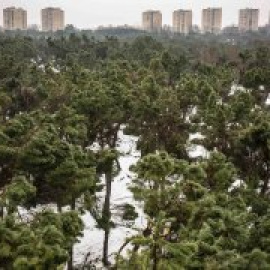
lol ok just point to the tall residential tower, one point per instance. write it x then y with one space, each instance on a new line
52 19
248 20
212 20
182 21
152 20
14 18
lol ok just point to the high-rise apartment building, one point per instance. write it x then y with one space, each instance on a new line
152 20
212 20
14 18
182 21
248 20
52 19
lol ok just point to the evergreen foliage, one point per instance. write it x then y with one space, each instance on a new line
65 97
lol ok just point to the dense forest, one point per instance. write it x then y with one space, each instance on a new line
64 100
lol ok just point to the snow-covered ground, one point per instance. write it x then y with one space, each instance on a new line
92 240
196 150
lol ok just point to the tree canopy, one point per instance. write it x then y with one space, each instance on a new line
65 100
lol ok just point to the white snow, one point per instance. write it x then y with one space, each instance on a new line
236 184
92 240
237 88
196 150
268 100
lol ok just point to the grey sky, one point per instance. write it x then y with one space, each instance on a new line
92 13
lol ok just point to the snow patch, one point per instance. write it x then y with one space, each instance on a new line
92 241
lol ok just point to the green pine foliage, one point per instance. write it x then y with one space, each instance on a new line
63 94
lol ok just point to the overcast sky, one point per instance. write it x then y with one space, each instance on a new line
92 13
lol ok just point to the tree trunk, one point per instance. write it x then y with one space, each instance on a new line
265 187
70 260
1 212
107 216
155 258
73 204
70 252
106 247
59 208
